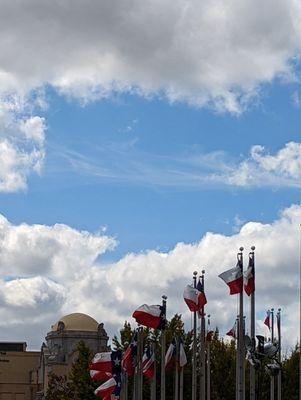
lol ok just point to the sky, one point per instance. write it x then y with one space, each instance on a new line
138 143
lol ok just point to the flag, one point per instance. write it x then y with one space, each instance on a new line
105 390
209 336
99 375
102 362
170 354
194 298
182 355
232 331
148 363
233 278
151 316
267 319
109 361
128 358
201 296
249 277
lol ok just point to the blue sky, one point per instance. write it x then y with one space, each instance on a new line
137 143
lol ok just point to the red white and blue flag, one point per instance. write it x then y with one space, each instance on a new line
232 331
182 355
233 278
148 363
109 388
97 376
150 316
129 356
170 354
109 361
267 319
194 297
249 277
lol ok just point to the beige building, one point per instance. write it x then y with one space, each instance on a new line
24 374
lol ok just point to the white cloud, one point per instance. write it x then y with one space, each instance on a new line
172 48
22 150
61 273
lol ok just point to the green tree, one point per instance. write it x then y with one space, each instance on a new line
81 385
58 388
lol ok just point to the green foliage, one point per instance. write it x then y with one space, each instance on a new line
58 388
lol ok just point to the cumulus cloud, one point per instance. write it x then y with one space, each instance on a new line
22 151
96 49
47 272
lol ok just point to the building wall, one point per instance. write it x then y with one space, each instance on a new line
18 375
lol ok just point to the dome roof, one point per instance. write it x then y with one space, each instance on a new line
76 322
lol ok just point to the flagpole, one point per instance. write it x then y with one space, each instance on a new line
241 382
194 346
139 363
208 363
176 388
163 345
153 382
237 358
252 331
181 382
279 383
272 385
202 349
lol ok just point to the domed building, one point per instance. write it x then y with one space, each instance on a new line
32 369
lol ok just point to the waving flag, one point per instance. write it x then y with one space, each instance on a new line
107 362
128 359
267 319
232 331
102 362
233 278
151 316
170 354
105 390
249 277
148 363
182 355
194 297
97 376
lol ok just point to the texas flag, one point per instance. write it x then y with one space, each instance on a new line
233 278
148 363
232 331
150 316
109 361
182 355
97 376
112 386
170 354
267 319
194 297
128 358
249 277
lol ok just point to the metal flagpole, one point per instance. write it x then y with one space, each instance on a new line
208 362
252 328
202 349
241 382
139 364
181 382
237 358
125 386
194 347
279 391
272 385
163 345
300 314
176 389
153 382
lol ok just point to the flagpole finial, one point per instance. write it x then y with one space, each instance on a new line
253 248
195 273
279 309
241 249
164 297
203 271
